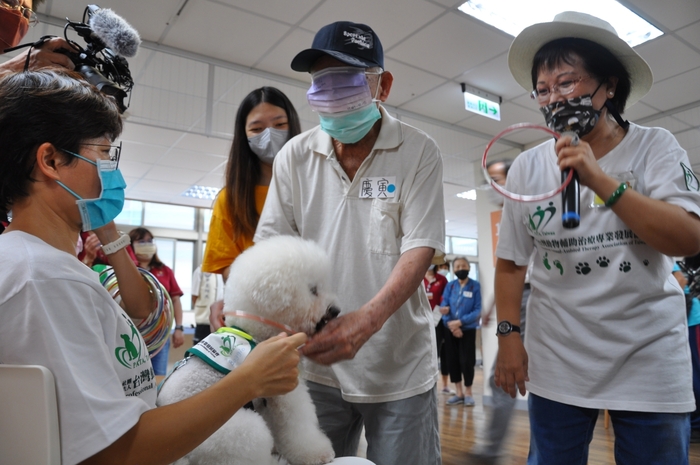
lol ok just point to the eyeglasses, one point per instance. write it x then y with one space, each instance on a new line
543 94
115 151
23 10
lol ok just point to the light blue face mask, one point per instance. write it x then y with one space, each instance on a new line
268 143
96 213
350 127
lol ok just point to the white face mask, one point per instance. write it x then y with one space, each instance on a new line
266 144
145 249
444 272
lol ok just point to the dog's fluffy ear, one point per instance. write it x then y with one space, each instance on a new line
276 274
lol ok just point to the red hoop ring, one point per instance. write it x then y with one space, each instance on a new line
522 197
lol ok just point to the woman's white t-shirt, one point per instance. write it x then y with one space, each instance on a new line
606 320
54 312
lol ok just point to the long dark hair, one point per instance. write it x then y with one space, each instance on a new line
138 234
243 170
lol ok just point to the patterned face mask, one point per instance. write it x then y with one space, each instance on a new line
575 114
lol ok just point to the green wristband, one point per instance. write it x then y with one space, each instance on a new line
616 195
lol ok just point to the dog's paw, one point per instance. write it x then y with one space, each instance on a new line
313 453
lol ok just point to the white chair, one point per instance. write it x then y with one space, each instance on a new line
29 430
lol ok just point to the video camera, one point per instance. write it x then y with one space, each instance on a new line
109 38
101 62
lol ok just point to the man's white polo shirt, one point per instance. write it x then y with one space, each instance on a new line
393 204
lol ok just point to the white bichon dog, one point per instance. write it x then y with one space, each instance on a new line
284 280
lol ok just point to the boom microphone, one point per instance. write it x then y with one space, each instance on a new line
114 31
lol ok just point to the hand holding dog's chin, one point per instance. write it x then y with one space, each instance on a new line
339 340
273 365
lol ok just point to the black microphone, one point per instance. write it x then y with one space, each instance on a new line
114 31
571 195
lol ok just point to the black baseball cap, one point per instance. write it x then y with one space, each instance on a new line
352 43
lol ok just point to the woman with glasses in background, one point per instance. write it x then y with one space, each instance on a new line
606 320
265 121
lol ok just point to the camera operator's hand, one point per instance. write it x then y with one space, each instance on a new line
42 56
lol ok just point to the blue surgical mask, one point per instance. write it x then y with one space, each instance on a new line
350 127
96 213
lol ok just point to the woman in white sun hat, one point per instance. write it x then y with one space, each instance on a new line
606 320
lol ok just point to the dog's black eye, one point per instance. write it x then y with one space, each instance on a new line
314 290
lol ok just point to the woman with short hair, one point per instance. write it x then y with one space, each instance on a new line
606 320
56 136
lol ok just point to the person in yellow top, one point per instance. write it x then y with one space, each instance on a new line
265 121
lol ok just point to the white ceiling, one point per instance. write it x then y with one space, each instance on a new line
201 57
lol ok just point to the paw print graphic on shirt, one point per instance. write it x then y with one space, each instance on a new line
603 262
583 268
625 267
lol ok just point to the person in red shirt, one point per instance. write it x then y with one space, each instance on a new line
434 284
145 250
90 251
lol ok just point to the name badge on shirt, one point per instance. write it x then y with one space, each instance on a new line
381 187
467 294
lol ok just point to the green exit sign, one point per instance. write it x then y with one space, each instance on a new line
482 106
481 102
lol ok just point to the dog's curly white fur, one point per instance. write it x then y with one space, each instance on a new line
284 279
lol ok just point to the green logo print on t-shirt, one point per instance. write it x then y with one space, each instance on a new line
130 354
557 264
537 221
691 181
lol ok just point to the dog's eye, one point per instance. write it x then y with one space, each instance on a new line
314 290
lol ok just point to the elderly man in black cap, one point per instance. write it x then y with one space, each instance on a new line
368 189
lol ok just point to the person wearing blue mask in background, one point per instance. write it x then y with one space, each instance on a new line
56 136
368 189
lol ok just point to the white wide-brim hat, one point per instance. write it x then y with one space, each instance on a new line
582 26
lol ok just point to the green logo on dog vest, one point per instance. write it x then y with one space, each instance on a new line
225 349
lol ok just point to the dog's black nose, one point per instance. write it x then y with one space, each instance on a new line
333 312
